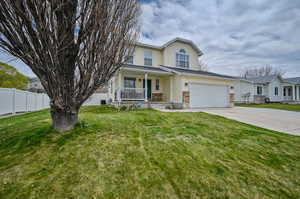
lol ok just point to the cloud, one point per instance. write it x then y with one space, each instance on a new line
233 34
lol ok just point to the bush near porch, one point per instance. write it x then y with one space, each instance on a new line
145 154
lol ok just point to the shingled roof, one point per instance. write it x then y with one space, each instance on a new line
261 80
195 72
176 70
186 41
294 80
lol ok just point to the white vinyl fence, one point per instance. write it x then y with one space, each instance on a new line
14 101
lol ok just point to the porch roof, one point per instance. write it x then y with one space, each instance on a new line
185 71
146 69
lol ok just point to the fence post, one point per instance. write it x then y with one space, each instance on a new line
35 101
26 95
13 101
43 101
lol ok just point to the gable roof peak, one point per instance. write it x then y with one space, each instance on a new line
190 42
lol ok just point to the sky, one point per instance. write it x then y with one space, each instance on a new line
233 34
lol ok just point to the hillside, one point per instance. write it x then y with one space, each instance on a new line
11 78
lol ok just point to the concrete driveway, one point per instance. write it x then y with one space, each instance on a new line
277 120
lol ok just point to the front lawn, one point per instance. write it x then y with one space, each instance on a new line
145 154
287 107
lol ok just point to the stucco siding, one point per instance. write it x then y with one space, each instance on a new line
138 58
177 88
169 55
193 79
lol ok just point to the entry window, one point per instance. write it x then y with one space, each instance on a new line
148 58
129 82
182 59
276 91
157 85
259 90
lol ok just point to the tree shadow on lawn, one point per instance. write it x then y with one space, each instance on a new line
16 146
23 132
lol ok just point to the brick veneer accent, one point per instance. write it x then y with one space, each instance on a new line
186 97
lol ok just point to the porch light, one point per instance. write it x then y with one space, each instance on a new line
186 84
140 79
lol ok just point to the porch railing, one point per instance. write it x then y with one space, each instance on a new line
131 93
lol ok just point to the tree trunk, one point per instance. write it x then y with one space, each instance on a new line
64 120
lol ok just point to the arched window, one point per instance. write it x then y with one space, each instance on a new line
182 59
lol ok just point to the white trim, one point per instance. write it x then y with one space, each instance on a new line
208 76
146 71
196 75
194 46
184 54
146 87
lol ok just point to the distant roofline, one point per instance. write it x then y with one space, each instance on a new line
195 47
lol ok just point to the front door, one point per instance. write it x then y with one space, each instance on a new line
149 86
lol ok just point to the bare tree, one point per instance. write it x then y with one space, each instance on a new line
262 71
73 46
203 66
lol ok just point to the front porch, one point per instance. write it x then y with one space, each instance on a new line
142 86
291 93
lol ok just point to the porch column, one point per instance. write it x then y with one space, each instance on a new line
294 93
298 93
119 86
146 87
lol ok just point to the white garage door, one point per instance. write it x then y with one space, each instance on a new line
203 95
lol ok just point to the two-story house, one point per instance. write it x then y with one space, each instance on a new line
169 74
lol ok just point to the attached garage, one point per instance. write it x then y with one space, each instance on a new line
206 95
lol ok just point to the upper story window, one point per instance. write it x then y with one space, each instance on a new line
148 58
182 59
129 60
259 90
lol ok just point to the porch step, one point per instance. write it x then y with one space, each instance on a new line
159 105
153 105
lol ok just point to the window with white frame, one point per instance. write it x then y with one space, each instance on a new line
182 59
259 90
129 82
276 91
148 58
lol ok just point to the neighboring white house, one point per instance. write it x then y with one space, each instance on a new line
169 74
35 85
272 88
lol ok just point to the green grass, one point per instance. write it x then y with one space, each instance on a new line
145 154
287 107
